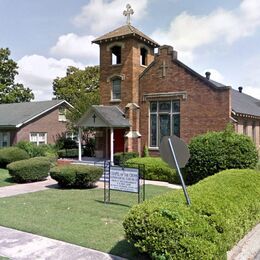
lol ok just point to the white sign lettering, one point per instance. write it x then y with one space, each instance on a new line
124 179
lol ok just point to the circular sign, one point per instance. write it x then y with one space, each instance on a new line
180 149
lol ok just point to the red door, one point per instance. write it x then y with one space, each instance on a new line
119 143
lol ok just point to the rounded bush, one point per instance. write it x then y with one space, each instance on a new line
154 169
11 154
217 151
76 176
222 211
30 170
121 158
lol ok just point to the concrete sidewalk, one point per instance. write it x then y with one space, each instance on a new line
17 189
18 245
247 248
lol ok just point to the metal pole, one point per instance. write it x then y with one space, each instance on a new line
79 146
179 172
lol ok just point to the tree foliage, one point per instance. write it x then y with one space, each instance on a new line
80 88
10 91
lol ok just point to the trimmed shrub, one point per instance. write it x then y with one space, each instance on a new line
224 207
64 142
30 170
68 153
121 158
35 151
217 151
155 169
11 154
76 175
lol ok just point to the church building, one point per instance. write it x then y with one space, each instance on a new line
147 93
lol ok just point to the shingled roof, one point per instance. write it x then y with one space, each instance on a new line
14 115
242 103
103 116
126 31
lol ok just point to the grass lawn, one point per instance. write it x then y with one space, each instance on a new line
76 216
5 178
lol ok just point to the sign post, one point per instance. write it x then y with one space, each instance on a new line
122 179
176 158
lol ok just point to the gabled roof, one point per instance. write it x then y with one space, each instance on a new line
15 115
242 103
245 104
104 116
126 31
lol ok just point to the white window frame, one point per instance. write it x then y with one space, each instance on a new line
62 114
2 141
37 140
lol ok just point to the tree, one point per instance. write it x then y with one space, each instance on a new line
80 88
10 91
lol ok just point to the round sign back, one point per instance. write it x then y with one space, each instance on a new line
181 151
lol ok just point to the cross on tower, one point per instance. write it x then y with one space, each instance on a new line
129 11
94 118
163 67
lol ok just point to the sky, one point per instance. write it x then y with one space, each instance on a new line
47 36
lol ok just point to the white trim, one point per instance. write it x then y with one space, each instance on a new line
43 112
37 142
112 146
79 147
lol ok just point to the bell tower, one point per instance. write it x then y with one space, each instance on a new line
124 54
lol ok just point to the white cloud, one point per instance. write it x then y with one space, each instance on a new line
188 32
79 47
215 75
100 15
252 91
38 72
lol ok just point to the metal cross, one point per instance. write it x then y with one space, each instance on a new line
129 11
94 118
163 67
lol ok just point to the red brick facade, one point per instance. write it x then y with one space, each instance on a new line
47 123
203 107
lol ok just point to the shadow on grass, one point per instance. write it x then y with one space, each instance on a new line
124 249
114 203
9 180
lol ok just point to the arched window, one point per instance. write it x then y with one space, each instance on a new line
116 55
116 89
143 56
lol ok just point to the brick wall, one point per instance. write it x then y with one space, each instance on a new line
205 108
47 123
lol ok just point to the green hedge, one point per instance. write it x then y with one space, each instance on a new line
121 158
76 175
68 153
224 207
11 154
30 170
217 151
155 169
37 150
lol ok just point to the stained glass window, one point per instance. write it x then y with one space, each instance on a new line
164 120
